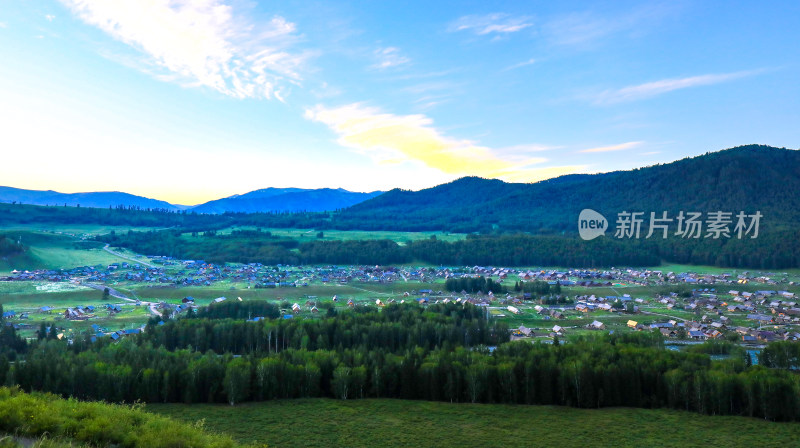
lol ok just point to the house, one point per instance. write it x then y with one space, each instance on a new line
633 324
514 310
698 335
596 325
525 331
557 330
667 332
761 318
295 308
74 314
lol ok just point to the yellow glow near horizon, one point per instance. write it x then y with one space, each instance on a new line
393 138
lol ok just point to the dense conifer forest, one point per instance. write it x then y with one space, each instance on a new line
441 352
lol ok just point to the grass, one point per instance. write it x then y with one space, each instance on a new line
54 251
400 423
96 424
324 292
400 237
71 229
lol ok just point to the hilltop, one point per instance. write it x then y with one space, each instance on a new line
745 178
285 200
259 201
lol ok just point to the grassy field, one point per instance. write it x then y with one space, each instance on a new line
76 230
54 251
400 237
399 423
324 292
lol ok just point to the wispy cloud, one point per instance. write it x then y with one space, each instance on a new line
584 28
202 43
620 147
651 89
50 17
3 25
390 138
498 23
389 57
520 65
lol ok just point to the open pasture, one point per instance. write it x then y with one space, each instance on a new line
401 423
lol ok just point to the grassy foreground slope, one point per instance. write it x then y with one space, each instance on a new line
27 417
53 251
401 423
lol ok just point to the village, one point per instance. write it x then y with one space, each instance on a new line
748 308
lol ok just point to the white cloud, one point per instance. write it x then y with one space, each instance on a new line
3 25
520 65
391 139
620 147
651 89
202 43
389 57
499 23
586 28
50 17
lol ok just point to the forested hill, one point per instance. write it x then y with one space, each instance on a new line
99 199
285 200
745 178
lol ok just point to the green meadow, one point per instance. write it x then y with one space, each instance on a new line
54 251
399 237
401 423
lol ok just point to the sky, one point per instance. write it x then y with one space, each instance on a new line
192 100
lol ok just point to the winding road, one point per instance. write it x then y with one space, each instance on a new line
133 260
114 293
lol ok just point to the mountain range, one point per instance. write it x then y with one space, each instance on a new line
101 199
746 178
265 200
285 200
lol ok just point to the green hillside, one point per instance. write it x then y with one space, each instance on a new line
745 178
23 250
401 423
24 418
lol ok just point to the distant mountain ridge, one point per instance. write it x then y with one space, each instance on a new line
264 200
100 199
745 178
286 200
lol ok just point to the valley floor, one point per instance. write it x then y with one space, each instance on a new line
402 423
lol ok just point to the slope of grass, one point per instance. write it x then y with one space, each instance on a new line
54 251
27 416
400 423
304 235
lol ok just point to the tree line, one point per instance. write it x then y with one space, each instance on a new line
590 373
499 242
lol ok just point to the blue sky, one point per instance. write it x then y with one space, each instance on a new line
189 101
